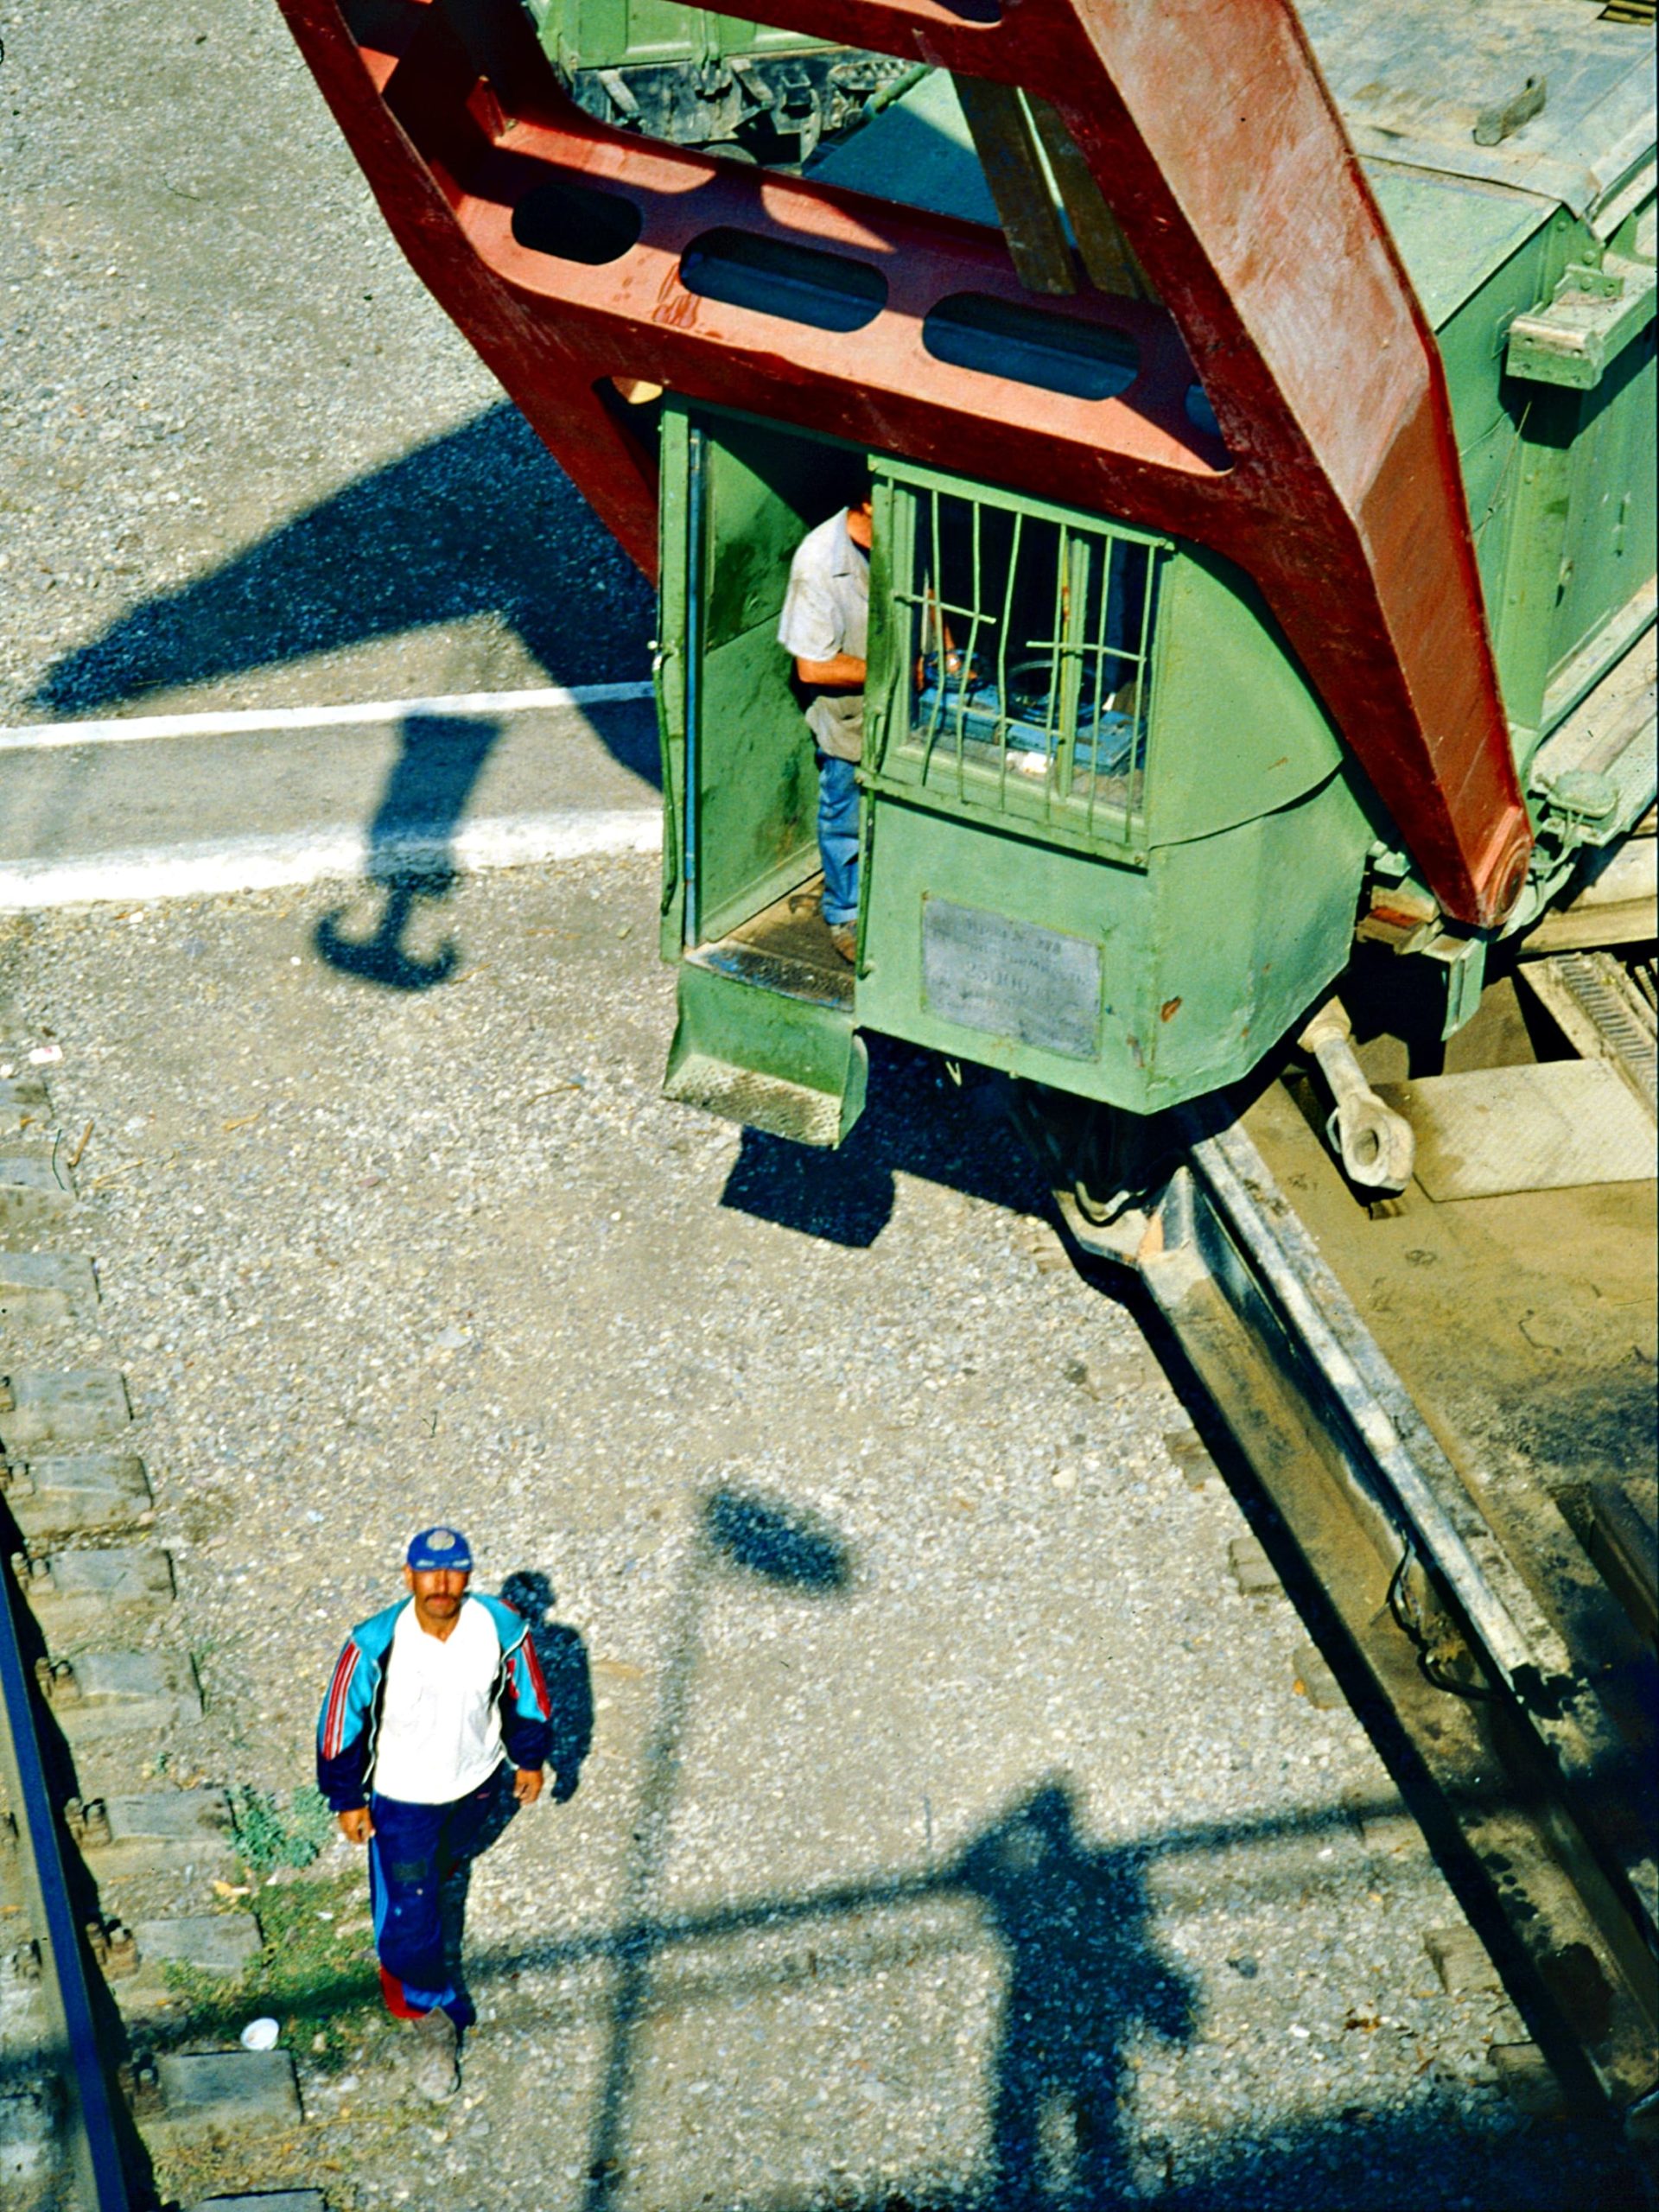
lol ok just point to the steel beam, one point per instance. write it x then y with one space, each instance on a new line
1214 142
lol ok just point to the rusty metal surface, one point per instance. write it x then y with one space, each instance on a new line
1337 488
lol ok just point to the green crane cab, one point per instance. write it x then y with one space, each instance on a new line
1112 841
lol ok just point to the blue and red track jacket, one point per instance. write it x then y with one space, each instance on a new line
350 1718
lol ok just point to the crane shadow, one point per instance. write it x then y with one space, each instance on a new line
410 853
918 1120
479 523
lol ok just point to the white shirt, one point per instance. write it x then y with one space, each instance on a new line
826 612
440 1731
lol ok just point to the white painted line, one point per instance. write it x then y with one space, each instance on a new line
127 729
275 863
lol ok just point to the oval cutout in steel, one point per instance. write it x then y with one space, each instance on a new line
1028 346
798 283
572 222
1199 413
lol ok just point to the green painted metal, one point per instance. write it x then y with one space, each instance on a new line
1595 314
616 33
749 825
1203 961
1206 958
794 1066
1134 927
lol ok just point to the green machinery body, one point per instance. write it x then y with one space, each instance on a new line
1141 919
702 80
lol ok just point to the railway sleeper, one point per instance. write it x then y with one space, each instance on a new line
57 1494
123 1837
86 1406
74 1595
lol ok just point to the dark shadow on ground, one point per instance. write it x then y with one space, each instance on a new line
918 1119
562 1654
1083 1973
410 858
480 522
1084 1977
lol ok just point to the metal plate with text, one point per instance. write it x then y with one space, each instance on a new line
1014 979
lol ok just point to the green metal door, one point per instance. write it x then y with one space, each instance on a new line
740 781
746 495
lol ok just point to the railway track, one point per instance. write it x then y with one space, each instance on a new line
83 1714
1442 1404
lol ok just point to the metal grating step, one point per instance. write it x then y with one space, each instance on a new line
1603 1012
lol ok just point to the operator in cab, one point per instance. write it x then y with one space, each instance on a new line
824 626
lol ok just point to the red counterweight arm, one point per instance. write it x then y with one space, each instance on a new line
1213 140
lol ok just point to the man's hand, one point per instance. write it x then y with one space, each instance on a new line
356 1826
527 1784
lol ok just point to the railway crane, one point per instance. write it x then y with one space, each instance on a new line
1257 401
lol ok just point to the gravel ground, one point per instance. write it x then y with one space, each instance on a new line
245 461
953 1827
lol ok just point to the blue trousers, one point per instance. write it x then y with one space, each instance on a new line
419 1856
838 837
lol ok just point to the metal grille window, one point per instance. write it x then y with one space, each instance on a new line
1025 639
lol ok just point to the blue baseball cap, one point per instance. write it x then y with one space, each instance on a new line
439 1548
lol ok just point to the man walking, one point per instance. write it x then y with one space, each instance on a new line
825 627
435 1730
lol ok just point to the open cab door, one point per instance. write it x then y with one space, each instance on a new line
766 1031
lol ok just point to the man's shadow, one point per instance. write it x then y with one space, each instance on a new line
410 857
562 1654
1082 1977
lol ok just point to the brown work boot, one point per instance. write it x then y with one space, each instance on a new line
430 2054
844 938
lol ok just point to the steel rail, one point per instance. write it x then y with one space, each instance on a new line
99 2177
1518 1767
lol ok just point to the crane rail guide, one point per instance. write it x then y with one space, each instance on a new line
88 2119
1515 1778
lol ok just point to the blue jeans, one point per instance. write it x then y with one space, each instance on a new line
838 837
419 1856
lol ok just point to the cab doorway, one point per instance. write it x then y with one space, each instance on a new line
766 1001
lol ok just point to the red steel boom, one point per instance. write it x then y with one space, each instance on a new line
1212 138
